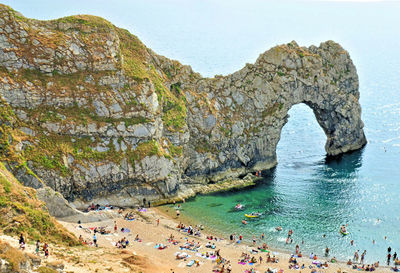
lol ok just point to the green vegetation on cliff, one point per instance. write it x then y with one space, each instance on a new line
22 212
132 58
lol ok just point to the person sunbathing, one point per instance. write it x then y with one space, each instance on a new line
180 256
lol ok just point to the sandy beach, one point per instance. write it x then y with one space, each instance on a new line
143 255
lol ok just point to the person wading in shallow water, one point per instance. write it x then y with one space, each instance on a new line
356 257
363 256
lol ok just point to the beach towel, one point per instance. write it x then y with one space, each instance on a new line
190 263
160 246
126 230
143 210
130 219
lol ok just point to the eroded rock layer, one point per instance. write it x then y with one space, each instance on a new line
91 112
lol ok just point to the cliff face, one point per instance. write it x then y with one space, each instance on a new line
91 112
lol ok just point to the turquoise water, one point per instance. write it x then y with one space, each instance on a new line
304 192
313 197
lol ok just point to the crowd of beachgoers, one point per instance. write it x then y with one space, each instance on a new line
183 247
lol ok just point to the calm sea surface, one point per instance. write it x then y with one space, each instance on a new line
304 192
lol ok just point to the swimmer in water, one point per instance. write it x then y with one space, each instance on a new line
244 222
279 228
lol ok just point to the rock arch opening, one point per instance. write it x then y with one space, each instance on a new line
301 137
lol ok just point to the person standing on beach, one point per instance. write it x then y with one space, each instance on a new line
21 239
389 256
115 227
144 202
45 246
394 256
46 253
94 239
178 213
37 247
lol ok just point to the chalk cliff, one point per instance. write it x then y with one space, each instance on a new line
89 111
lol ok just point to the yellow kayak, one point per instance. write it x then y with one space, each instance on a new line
251 216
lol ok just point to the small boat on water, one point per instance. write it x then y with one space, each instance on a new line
253 215
344 233
343 230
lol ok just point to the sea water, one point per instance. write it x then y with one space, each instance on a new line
305 192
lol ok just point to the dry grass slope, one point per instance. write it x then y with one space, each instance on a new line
22 212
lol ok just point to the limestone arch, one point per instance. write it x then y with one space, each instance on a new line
248 108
